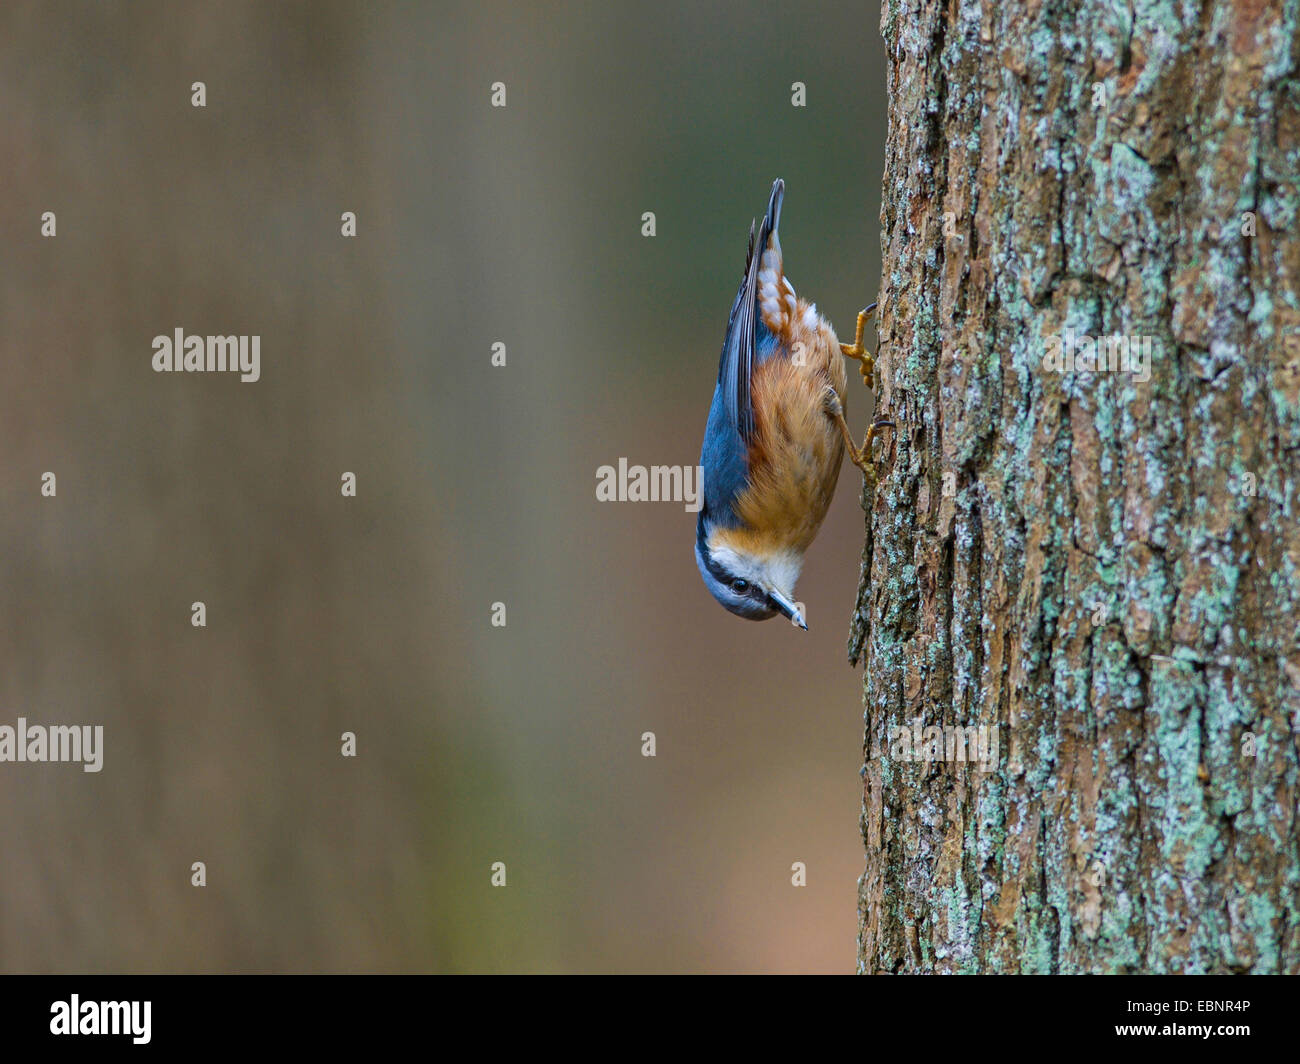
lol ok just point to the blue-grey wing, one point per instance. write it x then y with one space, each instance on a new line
747 344
725 461
742 341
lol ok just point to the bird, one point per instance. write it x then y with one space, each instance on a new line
775 436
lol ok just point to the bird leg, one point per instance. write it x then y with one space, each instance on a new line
859 353
860 456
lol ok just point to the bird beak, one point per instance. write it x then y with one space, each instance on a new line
788 608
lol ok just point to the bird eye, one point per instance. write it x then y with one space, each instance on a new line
740 586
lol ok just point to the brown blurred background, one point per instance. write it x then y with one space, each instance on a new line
475 484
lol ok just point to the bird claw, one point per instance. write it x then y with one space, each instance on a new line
861 456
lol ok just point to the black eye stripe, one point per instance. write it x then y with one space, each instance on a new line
724 576
721 575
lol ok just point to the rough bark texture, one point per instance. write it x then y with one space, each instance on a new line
1100 583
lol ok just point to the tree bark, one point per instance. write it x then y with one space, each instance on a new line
1103 569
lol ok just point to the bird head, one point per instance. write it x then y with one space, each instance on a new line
746 577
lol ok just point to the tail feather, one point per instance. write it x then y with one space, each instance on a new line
738 348
776 298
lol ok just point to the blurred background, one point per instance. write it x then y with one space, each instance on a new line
476 485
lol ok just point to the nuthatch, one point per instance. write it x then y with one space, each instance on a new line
775 437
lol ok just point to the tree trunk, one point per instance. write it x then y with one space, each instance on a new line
1101 570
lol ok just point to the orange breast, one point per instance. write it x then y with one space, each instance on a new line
796 455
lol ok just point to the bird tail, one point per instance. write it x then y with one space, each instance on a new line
776 298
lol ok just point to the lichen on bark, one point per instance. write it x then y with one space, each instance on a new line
1102 567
